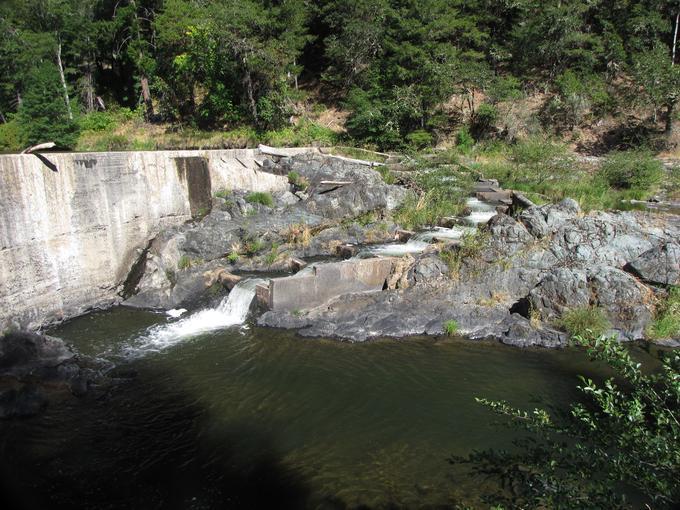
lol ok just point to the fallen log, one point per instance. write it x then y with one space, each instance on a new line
39 147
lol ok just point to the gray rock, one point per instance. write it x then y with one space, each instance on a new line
508 236
560 290
659 265
547 219
426 268
627 302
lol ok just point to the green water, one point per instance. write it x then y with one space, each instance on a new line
258 418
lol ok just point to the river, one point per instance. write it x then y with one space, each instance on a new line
238 416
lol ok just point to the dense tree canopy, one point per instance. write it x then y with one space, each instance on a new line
393 63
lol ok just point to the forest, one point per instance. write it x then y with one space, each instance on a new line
403 73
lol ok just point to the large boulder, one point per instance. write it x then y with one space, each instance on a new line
627 302
542 221
660 265
560 290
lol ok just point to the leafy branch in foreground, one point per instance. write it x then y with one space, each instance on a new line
621 440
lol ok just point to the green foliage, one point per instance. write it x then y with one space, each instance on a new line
43 114
184 262
232 257
484 120
419 139
660 80
587 321
620 439
464 140
386 174
252 245
272 255
223 193
450 327
633 170
298 181
667 321
260 197
470 248
444 191
12 137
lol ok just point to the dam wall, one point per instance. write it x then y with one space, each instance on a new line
73 224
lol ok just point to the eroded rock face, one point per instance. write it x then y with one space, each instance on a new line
34 369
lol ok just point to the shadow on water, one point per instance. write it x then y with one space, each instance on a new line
150 452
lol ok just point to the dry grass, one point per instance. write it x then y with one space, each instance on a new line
299 234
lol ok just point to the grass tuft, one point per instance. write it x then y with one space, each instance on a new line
585 322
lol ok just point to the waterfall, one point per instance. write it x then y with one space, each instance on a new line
231 311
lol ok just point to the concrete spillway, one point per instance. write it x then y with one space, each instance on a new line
69 237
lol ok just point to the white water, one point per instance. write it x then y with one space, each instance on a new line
481 212
231 311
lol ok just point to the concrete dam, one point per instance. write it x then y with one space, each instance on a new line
73 224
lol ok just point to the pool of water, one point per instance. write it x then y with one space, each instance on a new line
244 417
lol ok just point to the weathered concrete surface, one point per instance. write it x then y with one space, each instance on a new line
323 282
69 237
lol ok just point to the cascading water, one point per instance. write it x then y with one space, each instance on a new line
480 212
231 311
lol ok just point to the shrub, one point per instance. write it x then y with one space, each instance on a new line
587 321
97 121
259 197
419 139
451 327
233 257
252 245
484 119
464 140
299 234
618 439
298 181
12 137
667 321
635 170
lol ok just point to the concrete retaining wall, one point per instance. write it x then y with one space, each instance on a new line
69 237
324 282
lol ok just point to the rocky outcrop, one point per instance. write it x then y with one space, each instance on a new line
35 369
242 235
527 273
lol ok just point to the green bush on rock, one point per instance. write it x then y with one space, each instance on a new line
260 197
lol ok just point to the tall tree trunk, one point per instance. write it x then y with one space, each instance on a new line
20 101
251 97
675 37
88 89
670 108
63 81
146 96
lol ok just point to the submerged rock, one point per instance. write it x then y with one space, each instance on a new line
34 369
